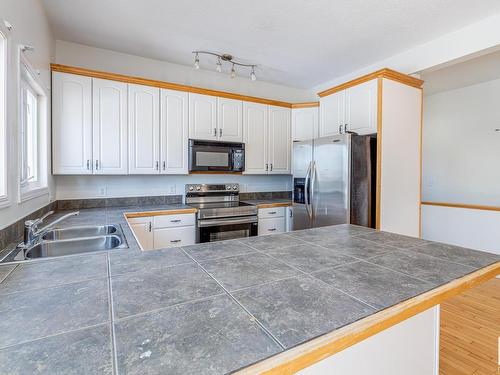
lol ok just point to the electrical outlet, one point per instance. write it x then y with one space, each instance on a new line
172 189
102 191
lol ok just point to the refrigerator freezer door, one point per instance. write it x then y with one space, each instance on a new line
302 156
301 219
331 181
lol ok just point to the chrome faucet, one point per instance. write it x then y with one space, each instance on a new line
31 231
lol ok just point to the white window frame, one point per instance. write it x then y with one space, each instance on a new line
4 146
28 77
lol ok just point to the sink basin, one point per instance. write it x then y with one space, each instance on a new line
73 246
78 232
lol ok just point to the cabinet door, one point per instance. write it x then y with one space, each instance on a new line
255 137
331 114
271 226
230 120
174 237
144 129
142 228
280 141
109 127
174 132
361 108
304 124
203 117
72 124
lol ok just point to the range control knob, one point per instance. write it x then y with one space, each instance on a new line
228 187
198 187
191 188
235 187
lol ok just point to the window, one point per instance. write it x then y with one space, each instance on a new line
4 199
32 134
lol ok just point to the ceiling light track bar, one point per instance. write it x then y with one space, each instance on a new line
226 58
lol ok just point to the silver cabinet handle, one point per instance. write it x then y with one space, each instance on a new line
271 229
175 221
157 165
88 164
220 132
150 227
272 212
267 167
271 167
340 129
97 164
164 165
215 132
175 241
345 128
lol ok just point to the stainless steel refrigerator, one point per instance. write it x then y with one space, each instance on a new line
334 181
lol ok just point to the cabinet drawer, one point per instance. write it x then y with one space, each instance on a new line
271 212
139 220
174 237
271 226
169 221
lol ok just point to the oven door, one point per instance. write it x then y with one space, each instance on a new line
211 230
210 158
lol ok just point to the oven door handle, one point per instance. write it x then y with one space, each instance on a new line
215 222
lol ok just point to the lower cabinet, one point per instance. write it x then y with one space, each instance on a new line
272 220
162 231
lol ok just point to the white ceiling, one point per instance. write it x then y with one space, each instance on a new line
476 70
295 42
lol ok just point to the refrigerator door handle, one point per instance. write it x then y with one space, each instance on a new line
313 179
307 190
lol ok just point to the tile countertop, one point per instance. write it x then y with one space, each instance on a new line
209 308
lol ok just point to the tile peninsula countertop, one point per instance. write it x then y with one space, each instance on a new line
212 308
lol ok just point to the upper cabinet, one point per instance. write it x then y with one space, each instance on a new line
230 120
305 124
71 124
353 109
267 137
361 108
203 117
109 127
144 129
174 131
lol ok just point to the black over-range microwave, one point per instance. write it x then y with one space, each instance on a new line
216 156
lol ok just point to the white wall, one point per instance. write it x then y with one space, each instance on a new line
115 62
30 27
461 149
72 187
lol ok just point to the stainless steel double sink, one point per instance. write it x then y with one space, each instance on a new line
70 241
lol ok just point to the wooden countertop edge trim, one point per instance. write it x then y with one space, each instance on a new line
272 205
164 84
302 356
305 105
382 73
129 215
463 205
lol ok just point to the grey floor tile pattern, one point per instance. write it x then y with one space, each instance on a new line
246 270
309 258
213 336
53 272
392 239
458 254
122 261
298 309
135 293
273 241
5 270
375 285
34 314
330 233
214 250
86 351
355 247
424 267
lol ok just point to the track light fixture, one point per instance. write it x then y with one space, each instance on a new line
226 58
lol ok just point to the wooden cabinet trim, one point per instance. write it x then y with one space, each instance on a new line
382 73
305 105
463 205
160 213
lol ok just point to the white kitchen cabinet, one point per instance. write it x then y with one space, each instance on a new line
361 108
279 145
203 117
331 114
255 137
174 237
71 124
174 132
144 129
143 231
229 120
271 226
109 127
304 124
271 213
